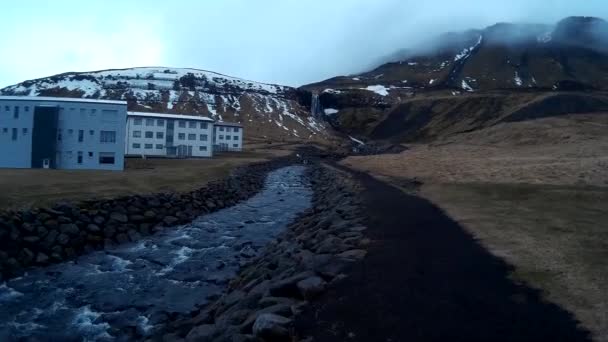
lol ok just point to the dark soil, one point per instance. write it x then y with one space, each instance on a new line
426 279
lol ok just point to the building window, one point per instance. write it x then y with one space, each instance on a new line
90 154
107 137
135 145
70 131
221 129
26 108
80 135
7 108
16 113
160 135
137 121
136 134
192 124
203 125
181 136
79 157
82 112
149 122
106 157
227 129
5 130
149 135
228 137
69 154
148 146
58 135
93 113
236 129
236 137
221 137
14 134
24 131
91 132
191 136
202 148
160 123
203 137
182 124
159 146
235 145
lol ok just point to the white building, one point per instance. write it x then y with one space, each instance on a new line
168 135
227 136
62 133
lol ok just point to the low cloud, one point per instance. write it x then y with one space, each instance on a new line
277 41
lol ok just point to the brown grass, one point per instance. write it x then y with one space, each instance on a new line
566 150
27 188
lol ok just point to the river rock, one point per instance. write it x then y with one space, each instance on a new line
99 220
311 287
42 258
63 239
271 327
31 239
93 228
205 332
355 254
287 287
119 217
51 224
149 215
69 228
170 221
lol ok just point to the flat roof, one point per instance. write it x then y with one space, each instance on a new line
232 124
59 99
169 116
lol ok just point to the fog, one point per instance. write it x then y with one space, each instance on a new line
289 42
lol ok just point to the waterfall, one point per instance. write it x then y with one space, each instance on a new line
315 106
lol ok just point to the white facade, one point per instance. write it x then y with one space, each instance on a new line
62 133
168 135
228 136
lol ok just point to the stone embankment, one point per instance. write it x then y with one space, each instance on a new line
41 236
312 254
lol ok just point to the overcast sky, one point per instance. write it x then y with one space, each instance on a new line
291 42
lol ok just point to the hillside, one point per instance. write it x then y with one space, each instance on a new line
267 111
474 79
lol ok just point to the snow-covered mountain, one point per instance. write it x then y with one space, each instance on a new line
266 110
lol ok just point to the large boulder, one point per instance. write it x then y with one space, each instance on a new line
271 328
311 287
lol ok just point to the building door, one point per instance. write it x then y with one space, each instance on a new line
189 151
171 150
44 136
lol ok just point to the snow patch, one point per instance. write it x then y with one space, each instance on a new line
544 38
464 85
378 89
412 63
431 81
356 140
518 80
467 51
331 111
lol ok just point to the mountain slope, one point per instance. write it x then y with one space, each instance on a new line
266 110
480 75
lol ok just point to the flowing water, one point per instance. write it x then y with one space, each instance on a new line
104 295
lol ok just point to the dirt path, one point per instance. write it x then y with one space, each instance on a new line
426 279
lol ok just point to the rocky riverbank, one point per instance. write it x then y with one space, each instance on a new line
270 291
42 236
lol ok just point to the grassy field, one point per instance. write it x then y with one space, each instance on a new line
555 236
27 188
